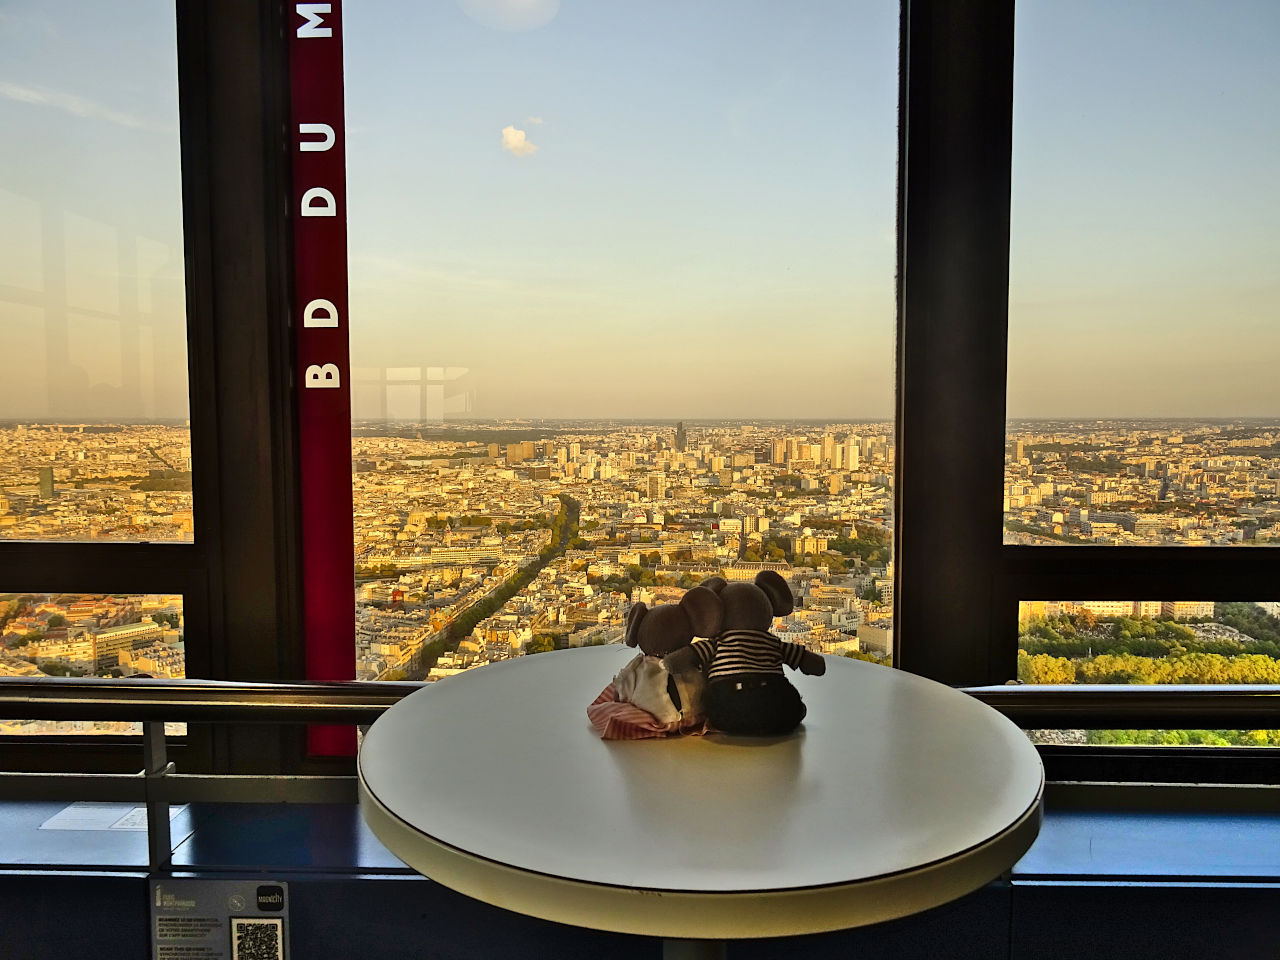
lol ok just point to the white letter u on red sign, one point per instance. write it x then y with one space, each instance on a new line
315 146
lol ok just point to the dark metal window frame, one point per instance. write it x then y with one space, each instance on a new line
238 578
957 584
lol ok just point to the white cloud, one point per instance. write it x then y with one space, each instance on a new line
517 142
77 106
536 121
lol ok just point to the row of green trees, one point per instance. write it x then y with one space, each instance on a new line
564 528
637 576
1186 738
1079 648
1082 636
1130 668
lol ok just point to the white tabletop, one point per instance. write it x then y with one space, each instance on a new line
897 794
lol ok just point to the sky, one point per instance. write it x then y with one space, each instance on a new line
661 209
92 310
668 209
1145 230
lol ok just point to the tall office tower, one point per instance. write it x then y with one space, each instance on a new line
682 439
494 450
528 449
657 486
828 450
515 453
793 447
46 483
851 452
779 451
575 450
1019 451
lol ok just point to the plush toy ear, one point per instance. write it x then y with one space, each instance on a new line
776 589
715 584
634 616
704 610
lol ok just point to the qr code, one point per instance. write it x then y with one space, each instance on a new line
257 939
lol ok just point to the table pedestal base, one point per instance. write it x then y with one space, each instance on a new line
694 950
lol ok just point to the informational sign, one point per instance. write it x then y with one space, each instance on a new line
323 368
194 919
91 815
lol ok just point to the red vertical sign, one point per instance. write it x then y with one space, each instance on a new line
322 363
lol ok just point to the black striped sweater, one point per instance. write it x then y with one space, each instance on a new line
746 651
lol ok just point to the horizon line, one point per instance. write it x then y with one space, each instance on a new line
693 420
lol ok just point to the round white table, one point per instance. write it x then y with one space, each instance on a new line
896 795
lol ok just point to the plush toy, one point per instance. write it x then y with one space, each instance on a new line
746 690
646 699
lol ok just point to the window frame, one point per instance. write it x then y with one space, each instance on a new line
957 584
240 596
955 156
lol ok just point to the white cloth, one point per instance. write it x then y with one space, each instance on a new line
643 682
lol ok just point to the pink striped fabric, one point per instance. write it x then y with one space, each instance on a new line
614 719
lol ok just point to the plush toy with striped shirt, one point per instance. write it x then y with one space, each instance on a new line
646 699
747 692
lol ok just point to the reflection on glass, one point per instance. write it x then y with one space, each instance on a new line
621 319
94 442
89 635
1150 641
1144 236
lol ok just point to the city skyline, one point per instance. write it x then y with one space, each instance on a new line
475 544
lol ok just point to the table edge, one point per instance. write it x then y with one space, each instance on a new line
689 914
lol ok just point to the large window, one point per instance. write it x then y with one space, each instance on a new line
143 525
1140 297
94 442
621 319
1142 294
621 285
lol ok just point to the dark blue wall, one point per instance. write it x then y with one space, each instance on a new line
1099 886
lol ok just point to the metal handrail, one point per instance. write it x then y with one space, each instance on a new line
194 701
1135 706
